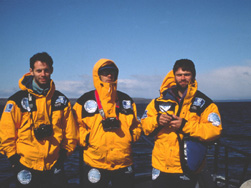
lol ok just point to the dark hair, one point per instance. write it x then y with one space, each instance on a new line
185 65
43 57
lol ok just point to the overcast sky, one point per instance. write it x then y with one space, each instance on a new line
143 37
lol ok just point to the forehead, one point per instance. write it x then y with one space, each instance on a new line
41 65
180 71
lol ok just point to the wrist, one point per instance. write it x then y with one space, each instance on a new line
182 124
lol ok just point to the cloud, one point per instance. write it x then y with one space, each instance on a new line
144 86
7 92
227 83
230 83
74 89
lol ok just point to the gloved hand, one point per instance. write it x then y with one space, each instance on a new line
62 157
14 160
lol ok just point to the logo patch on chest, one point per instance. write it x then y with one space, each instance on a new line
90 106
164 107
199 102
61 100
127 104
25 103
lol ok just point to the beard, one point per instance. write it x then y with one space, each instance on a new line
182 88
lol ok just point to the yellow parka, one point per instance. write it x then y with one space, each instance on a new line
17 126
111 149
201 120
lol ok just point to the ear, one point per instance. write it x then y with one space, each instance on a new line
51 70
31 72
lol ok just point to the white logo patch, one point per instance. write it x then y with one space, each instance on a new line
25 103
127 104
214 119
61 100
129 170
199 102
24 177
155 173
164 107
90 106
94 175
8 108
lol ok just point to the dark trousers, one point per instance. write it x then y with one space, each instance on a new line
169 180
122 178
29 178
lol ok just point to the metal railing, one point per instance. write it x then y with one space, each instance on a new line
221 153
227 150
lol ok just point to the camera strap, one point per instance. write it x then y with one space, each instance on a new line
31 105
100 108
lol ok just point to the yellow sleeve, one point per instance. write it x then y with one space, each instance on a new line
136 128
70 129
208 128
82 127
10 122
149 119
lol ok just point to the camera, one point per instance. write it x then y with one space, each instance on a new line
110 123
43 131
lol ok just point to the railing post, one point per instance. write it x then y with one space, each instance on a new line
215 166
81 165
226 168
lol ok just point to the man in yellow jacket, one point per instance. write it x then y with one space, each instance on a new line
108 126
183 120
37 128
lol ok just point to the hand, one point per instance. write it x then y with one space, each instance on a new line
62 157
164 119
176 122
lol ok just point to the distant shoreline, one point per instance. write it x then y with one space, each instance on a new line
73 101
141 100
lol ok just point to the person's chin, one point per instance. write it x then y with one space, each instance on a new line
43 84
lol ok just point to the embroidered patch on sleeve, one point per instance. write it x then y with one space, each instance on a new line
8 108
214 119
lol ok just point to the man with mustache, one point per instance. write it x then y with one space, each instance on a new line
183 120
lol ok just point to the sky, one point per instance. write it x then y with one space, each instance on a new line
143 37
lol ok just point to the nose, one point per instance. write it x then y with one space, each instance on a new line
43 73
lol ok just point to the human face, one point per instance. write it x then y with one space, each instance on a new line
182 78
42 73
107 76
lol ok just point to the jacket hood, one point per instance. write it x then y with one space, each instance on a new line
107 91
25 83
169 82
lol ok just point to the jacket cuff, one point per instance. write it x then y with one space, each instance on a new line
182 124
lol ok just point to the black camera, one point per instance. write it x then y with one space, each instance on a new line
110 123
43 131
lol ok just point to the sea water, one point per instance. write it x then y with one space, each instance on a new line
236 120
